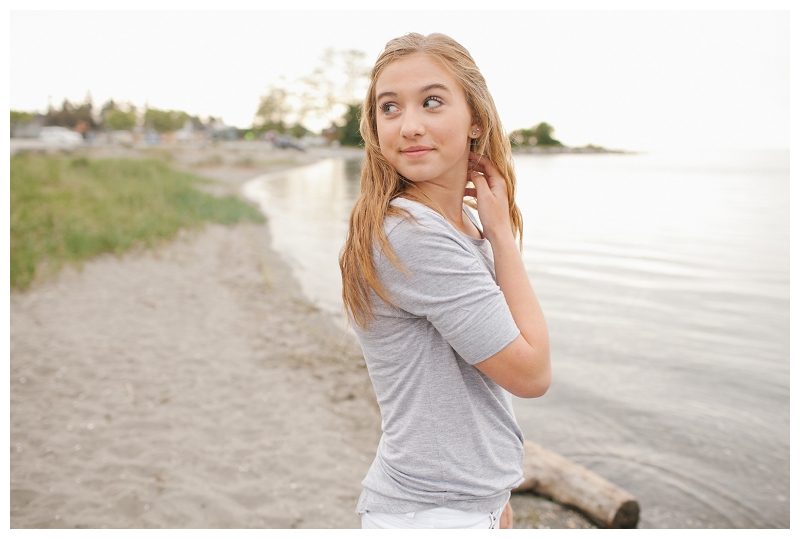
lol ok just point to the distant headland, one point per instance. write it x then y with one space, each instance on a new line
539 140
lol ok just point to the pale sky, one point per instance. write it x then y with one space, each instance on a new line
638 80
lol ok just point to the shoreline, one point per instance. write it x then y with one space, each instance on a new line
555 150
193 386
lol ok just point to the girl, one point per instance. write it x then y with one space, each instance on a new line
441 303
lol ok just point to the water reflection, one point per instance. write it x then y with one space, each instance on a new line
308 210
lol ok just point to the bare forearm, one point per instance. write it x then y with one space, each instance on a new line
522 302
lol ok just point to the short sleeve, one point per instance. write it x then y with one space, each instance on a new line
447 284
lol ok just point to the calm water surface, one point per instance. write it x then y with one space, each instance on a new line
665 283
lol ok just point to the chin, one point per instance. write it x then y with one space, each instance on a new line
417 178
418 174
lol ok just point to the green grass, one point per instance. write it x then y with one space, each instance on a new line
68 210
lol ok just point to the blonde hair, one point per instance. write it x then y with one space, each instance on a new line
381 183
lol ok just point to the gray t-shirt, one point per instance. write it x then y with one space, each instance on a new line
450 438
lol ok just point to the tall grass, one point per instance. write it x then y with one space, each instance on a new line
67 210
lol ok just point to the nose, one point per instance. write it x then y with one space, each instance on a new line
413 125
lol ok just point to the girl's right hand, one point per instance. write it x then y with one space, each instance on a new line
491 192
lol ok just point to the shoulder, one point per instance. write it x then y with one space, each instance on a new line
417 219
421 237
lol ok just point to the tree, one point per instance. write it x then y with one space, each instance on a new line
165 120
117 120
20 118
77 117
339 79
273 110
325 95
543 132
298 131
538 135
349 135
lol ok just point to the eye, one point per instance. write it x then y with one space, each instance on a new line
389 108
432 102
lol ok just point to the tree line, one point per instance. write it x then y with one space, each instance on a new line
111 116
330 93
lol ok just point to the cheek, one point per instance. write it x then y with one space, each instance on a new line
384 140
460 139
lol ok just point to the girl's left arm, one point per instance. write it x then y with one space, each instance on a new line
522 367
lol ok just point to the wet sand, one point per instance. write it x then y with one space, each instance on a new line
192 386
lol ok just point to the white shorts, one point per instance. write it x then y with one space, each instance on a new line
437 518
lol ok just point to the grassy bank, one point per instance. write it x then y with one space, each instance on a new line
67 210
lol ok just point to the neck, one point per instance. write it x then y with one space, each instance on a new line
447 202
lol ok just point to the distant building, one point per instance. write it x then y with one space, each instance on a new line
189 133
220 131
331 134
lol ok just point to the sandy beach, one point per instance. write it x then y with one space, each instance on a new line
193 386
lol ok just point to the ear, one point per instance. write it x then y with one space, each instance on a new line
475 130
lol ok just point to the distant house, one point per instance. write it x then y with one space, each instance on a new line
151 137
189 133
331 134
220 131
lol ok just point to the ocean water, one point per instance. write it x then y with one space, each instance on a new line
664 279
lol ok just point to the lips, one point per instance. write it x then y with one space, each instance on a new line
415 152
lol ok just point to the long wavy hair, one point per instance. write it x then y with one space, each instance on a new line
381 183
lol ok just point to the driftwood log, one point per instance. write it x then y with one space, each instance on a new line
568 483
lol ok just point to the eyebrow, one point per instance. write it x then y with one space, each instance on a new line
428 88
